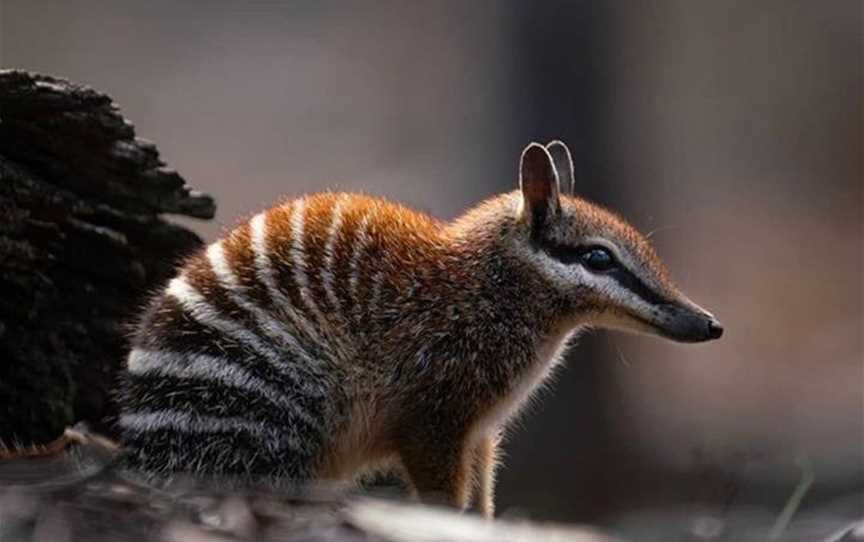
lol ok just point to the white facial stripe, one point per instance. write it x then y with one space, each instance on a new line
620 297
623 322
562 275
566 277
624 258
620 255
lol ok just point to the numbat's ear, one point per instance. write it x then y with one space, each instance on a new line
563 165
539 184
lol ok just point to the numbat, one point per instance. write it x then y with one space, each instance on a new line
337 333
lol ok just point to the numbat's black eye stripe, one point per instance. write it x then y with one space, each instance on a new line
594 257
623 276
630 281
563 253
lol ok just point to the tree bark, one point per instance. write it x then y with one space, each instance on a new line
82 242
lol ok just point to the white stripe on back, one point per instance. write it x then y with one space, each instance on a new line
329 252
361 241
197 307
204 367
185 422
298 258
272 327
264 272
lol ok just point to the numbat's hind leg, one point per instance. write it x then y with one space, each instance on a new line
485 465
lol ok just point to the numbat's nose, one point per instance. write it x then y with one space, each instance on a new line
715 329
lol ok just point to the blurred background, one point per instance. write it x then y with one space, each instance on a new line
730 130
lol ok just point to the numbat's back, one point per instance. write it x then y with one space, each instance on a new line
336 333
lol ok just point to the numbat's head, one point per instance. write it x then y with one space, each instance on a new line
601 268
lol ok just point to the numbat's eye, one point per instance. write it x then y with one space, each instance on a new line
598 259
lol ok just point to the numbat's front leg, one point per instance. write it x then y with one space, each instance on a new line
485 465
439 473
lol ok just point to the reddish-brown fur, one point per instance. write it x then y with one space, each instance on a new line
409 253
430 336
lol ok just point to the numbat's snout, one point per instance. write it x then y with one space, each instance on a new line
337 333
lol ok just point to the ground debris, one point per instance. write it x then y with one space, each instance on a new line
83 495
